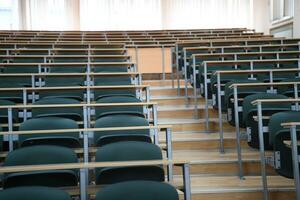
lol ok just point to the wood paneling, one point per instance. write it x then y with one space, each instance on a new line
150 60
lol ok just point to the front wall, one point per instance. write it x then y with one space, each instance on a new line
150 60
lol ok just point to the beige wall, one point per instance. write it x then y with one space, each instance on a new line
297 19
261 16
150 60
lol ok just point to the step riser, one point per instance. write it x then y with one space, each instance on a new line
186 114
206 144
225 169
200 127
243 196
169 92
167 102
163 83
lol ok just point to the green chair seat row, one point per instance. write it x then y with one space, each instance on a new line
134 190
52 154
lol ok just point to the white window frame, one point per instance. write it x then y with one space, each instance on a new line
282 17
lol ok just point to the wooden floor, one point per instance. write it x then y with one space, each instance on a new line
214 175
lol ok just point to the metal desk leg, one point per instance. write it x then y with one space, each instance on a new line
295 161
262 152
186 181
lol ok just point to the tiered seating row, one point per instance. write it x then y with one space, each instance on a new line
86 105
256 83
133 38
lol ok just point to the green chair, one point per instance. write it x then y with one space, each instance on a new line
99 59
128 151
223 80
114 68
70 59
61 81
1 140
21 69
4 112
278 135
41 155
74 113
112 81
118 109
70 140
34 193
289 90
66 80
68 69
137 190
242 92
28 60
14 82
121 120
268 109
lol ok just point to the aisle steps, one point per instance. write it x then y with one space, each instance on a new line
214 174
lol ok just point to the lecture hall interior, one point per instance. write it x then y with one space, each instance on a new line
149 99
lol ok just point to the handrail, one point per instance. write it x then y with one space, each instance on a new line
246 53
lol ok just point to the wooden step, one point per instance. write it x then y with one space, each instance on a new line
212 162
232 188
165 100
182 125
163 82
201 140
169 91
183 111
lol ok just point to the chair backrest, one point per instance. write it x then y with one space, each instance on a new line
249 108
34 193
128 151
49 123
277 137
121 120
55 81
112 80
268 109
72 113
242 91
14 96
110 69
137 190
14 82
1 139
18 69
118 109
37 155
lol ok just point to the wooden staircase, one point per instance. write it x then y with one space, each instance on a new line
214 175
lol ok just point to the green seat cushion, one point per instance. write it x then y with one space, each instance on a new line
128 151
137 190
34 193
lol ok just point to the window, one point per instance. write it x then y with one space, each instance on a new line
8 14
282 9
